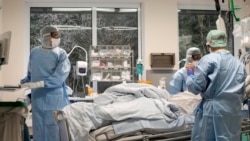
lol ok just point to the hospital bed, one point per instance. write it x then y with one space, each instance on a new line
181 135
101 130
106 125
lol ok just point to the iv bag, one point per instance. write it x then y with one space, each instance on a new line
220 24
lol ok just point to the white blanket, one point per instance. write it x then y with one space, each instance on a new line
121 102
247 88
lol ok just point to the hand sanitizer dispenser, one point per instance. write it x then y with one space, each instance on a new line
81 68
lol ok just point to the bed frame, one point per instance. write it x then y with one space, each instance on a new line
182 135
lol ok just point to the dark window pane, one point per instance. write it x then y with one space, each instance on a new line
194 26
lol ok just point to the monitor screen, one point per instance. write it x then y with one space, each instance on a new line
4 47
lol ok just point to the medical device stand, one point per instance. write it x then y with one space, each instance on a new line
80 70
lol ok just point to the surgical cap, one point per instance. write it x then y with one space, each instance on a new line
192 51
47 30
216 38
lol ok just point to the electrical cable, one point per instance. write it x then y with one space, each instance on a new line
75 74
83 87
77 82
217 5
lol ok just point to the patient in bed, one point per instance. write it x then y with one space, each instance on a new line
130 109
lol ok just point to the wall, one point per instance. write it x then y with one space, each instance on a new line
13 20
1 20
161 28
1 25
160 33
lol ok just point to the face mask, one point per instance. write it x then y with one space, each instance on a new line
55 42
195 62
210 50
46 44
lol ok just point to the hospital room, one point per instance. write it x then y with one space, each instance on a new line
124 70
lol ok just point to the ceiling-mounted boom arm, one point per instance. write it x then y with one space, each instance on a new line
232 9
217 5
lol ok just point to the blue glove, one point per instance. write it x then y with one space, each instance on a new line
190 72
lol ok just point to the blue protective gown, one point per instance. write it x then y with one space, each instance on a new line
52 67
219 78
178 82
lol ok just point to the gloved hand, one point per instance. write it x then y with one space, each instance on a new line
190 72
33 85
190 69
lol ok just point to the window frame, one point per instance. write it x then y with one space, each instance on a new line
73 4
94 23
229 27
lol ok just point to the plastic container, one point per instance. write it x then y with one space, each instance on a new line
90 90
145 81
245 137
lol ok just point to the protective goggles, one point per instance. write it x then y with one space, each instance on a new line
55 35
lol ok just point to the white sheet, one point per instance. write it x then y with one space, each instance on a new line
122 103
142 107
186 102
83 117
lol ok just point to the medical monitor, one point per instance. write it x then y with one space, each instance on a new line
4 47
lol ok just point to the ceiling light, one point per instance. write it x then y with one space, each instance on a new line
71 9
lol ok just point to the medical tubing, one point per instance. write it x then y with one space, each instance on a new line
232 9
83 87
80 48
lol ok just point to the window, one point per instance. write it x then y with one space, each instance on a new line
85 27
194 26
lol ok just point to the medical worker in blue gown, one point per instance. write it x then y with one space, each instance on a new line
47 71
219 78
178 80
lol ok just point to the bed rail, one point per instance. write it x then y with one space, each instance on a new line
182 135
62 123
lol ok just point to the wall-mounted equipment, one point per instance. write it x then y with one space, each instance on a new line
81 66
162 60
4 47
